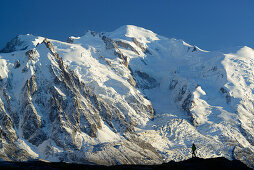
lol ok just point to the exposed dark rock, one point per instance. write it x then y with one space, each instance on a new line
31 53
187 105
13 153
144 50
111 44
31 85
185 98
247 134
7 129
126 46
228 98
183 90
17 64
39 138
93 33
214 68
123 57
223 90
108 42
143 144
25 69
70 40
93 131
132 81
14 45
194 49
173 84
144 81
245 155
226 93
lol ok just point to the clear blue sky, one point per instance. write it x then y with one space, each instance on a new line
209 24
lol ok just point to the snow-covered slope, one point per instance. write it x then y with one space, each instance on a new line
127 96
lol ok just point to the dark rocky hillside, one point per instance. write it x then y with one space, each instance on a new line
190 164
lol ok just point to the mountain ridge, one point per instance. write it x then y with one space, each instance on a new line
193 163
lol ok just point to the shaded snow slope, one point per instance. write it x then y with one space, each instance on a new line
127 96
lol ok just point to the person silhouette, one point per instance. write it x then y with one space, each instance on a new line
193 150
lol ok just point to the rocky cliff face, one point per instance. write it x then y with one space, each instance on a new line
125 97
55 107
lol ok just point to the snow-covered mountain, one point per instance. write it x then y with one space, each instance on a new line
125 97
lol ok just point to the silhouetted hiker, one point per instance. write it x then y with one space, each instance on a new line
193 150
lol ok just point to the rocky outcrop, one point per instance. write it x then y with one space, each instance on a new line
184 97
226 94
31 53
111 44
173 84
132 81
8 137
144 81
245 155
62 110
187 105
70 40
108 42
7 131
58 108
126 46
13 45
144 50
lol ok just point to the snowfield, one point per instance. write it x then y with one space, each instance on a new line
125 97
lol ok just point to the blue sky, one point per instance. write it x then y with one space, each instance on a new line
209 24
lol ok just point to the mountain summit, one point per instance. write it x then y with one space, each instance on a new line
124 97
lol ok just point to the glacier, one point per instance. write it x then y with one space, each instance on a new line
129 96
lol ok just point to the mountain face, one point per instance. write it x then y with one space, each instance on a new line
125 97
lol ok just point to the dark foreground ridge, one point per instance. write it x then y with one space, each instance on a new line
190 164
